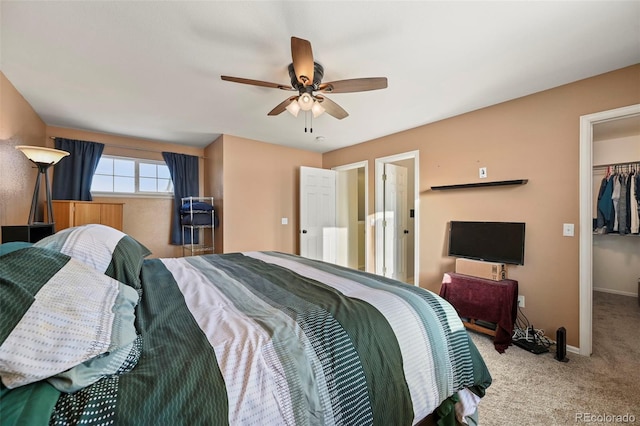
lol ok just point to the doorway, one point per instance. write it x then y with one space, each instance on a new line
352 202
397 207
587 122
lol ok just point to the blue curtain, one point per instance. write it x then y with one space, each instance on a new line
184 174
72 177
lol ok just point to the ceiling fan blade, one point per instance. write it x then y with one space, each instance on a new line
302 57
256 82
354 85
282 106
332 108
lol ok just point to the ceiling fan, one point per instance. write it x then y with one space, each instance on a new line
306 78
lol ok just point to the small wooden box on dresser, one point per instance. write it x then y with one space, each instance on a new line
75 213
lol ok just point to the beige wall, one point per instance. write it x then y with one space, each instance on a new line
145 219
214 185
19 125
534 137
260 188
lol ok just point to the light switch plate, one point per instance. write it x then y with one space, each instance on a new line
285 220
567 230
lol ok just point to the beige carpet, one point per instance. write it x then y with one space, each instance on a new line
536 390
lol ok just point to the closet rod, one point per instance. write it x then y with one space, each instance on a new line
627 164
131 147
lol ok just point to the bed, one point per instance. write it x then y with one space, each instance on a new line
91 332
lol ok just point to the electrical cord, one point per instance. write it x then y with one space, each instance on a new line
523 330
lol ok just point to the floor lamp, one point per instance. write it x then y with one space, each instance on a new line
43 158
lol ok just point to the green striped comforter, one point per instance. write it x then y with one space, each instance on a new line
274 339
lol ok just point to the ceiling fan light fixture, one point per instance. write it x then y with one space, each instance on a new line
306 80
293 108
305 101
317 109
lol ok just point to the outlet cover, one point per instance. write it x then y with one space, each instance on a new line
521 301
482 172
285 221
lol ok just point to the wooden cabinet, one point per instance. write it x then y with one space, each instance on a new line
74 213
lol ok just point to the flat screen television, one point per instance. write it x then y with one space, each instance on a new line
501 242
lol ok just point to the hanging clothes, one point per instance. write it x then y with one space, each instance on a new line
638 193
615 196
634 227
623 227
618 204
604 221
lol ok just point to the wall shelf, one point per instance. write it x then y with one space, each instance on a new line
480 184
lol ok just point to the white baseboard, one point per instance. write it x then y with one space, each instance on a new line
621 293
573 349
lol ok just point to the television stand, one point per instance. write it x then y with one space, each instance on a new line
481 302
480 326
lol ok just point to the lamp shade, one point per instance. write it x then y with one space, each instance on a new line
305 101
42 155
293 108
317 109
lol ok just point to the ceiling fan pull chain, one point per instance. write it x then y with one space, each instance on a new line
305 121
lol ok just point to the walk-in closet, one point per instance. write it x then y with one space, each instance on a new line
616 199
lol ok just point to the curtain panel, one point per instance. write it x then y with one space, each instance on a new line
184 174
72 178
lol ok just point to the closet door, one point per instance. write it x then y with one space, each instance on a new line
395 222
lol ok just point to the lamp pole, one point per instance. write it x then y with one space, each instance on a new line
43 170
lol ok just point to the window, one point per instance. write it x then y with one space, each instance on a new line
122 175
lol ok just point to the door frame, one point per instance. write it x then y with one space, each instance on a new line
379 207
586 218
367 234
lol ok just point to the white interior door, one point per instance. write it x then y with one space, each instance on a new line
395 222
408 241
318 214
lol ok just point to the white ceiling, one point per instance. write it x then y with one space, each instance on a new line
151 69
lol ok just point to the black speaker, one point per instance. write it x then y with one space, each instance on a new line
561 345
